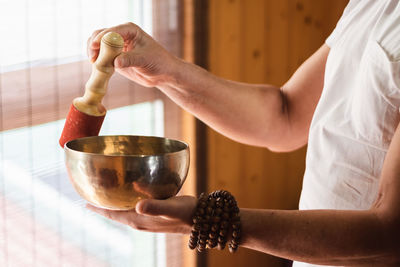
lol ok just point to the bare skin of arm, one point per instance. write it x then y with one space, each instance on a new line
277 117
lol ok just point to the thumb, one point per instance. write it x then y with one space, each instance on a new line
125 60
155 207
174 208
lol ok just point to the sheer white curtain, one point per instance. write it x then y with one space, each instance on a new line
43 221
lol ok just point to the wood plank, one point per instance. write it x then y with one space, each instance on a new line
261 41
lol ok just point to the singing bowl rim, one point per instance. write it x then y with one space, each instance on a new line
177 152
68 149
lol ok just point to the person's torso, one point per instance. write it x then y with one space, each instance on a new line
358 111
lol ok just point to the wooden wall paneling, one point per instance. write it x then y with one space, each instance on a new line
261 41
225 38
224 51
277 45
253 41
237 51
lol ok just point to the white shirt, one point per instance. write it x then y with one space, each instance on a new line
358 111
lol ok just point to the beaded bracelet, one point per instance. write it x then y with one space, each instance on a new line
215 217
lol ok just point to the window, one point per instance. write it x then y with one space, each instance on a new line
43 66
44 221
44 32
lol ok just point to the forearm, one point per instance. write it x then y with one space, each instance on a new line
321 236
252 114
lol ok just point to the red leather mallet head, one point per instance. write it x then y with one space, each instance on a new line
79 124
86 113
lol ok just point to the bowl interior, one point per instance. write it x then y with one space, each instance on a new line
126 145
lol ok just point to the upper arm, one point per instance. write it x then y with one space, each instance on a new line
301 95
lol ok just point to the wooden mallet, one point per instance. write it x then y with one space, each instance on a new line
86 113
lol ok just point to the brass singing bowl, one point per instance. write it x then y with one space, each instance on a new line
115 172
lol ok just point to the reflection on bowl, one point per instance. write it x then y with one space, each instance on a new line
115 172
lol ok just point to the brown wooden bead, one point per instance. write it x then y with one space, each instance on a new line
214 240
205 227
211 202
201 205
216 219
224 224
236 233
213 235
193 244
200 211
223 232
218 211
203 236
233 245
209 210
213 244
194 233
214 227
226 209
221 239
196 227
236 225
232 249
197 219
225 216
235 242
221 246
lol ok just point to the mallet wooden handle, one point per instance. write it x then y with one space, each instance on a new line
96 87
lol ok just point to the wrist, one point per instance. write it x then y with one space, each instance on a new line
175 73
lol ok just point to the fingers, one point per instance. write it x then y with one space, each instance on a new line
93 48
128 31
129 59
138 221
152 207
115 215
